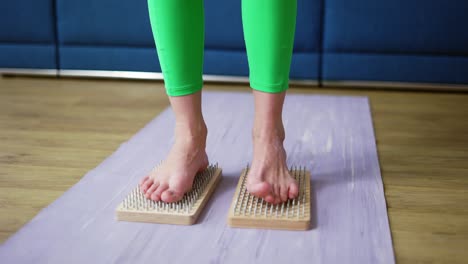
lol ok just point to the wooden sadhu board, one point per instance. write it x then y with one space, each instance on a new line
137 208
248 211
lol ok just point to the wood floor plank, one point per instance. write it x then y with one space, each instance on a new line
52 131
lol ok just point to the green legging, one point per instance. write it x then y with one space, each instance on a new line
178 29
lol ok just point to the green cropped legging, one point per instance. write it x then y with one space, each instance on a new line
178 30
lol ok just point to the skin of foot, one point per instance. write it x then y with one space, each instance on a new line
169 181
268 176
174 177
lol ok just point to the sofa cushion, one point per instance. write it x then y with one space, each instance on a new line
417 26
116 35
223 23
217 62
27 55
395 68
103 22
126 23
27 21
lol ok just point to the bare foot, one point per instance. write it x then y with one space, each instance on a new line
268 177
174 177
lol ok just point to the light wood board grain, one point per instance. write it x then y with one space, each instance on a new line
247 211
137 208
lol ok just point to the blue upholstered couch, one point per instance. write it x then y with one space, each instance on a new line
422 41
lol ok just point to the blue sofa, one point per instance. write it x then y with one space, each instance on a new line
336 40
27 34
116 35
422 41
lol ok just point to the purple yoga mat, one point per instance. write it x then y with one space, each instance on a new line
332 136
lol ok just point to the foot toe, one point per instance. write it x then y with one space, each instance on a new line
156 196
151 189
284 193
143 180
146 185
259 189
278 200
270 198
171 196
277 191
293 190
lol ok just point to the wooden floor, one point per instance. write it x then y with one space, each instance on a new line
52 131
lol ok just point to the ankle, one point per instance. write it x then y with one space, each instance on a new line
268 132
191 132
